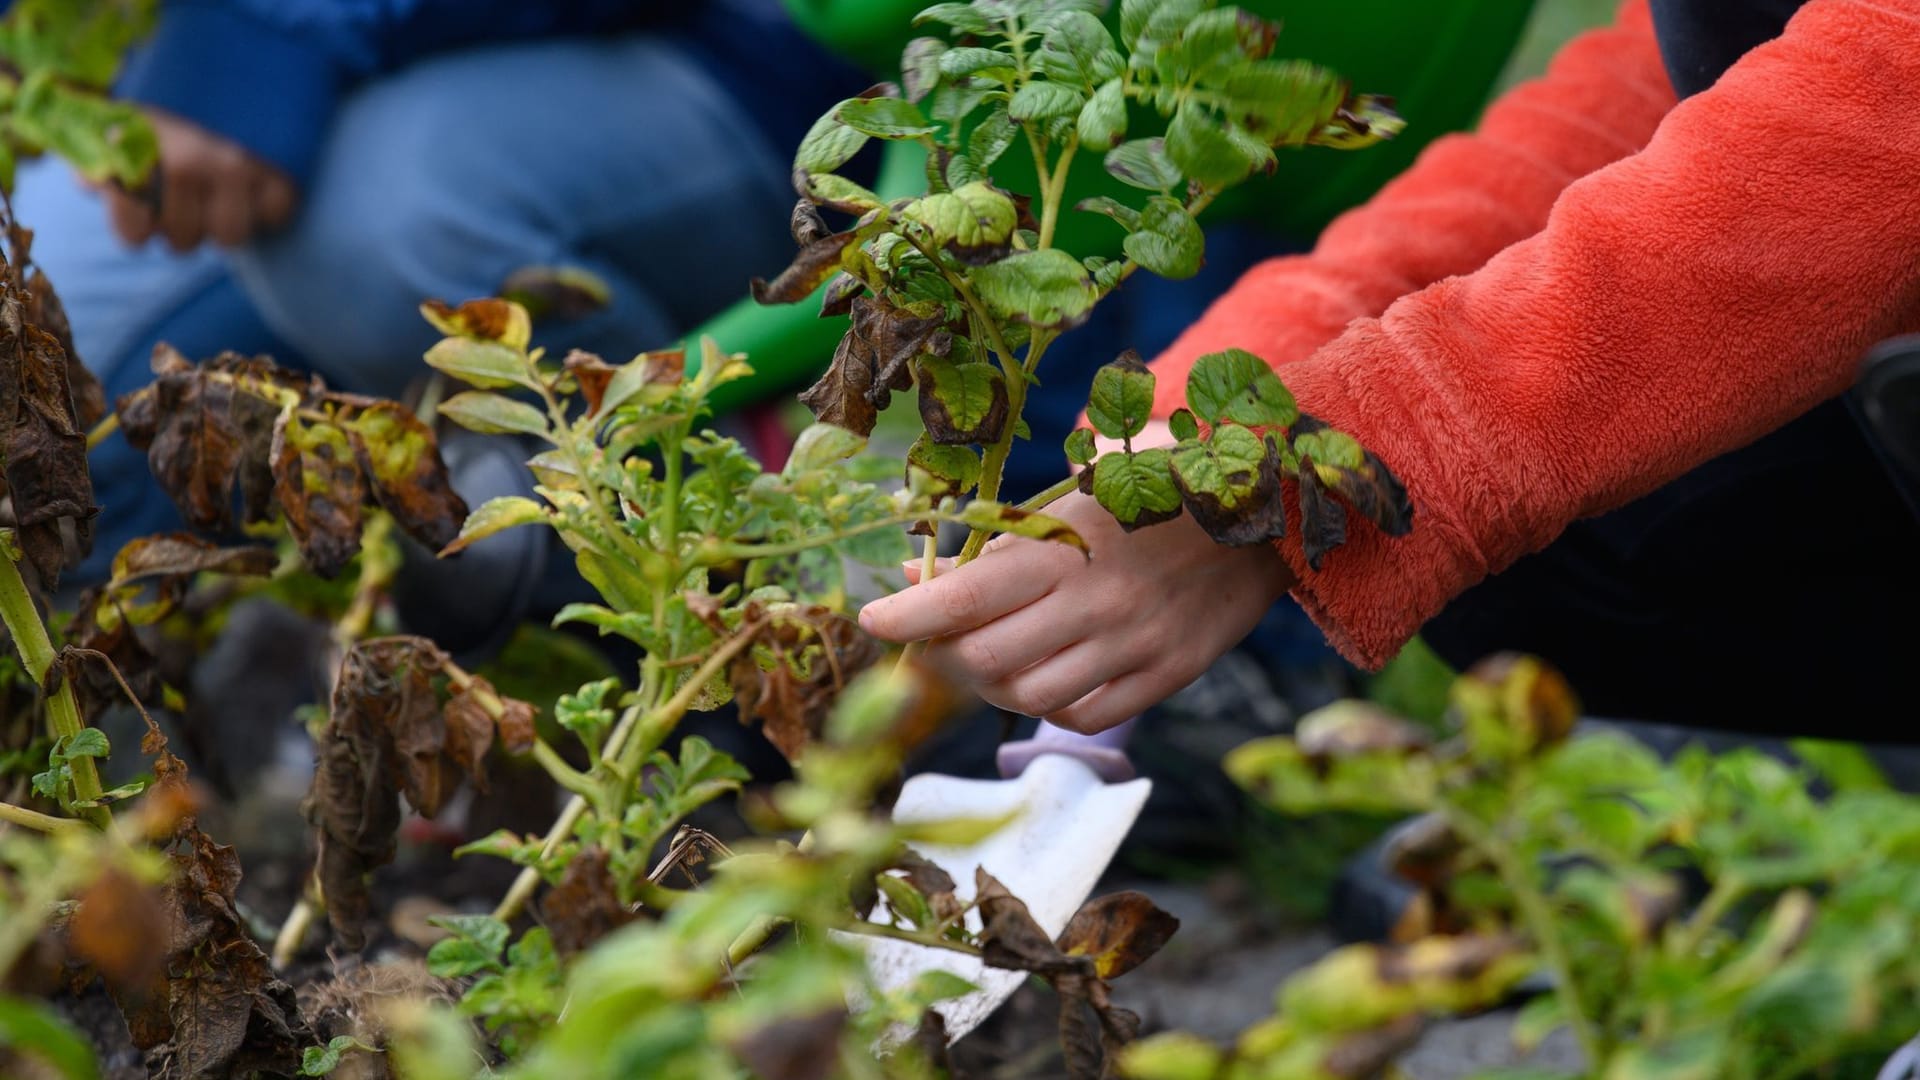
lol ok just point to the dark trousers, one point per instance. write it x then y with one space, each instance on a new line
1772 590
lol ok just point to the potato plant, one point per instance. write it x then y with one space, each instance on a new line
961 291
1704 917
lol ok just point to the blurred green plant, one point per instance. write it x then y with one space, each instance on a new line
1708 917
57 60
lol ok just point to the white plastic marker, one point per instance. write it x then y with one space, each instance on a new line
1075 798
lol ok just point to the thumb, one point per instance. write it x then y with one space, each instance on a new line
940 566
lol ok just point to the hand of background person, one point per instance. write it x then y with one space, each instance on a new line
1037 629
208 188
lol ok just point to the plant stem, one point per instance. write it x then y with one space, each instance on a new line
376 573
916 937
103 430
652 724
1061 488
1724 894
1538 916
293 932
1055 194
563 774
35 820
36 652
993 464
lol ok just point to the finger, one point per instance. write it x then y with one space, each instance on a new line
130 218
1012 643
183 211
970 596
1057 682
1114 703
229 210
274 199
940 566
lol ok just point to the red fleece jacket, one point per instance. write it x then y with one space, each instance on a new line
1593 294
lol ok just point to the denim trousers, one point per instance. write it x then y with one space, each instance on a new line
621 156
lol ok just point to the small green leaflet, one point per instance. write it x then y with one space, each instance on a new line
1238 386
1121 401
1137 489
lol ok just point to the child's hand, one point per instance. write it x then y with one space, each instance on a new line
1038 630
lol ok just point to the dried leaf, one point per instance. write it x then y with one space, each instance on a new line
871 362
818 260
487 319
801 660
593 374
120 928
1120 932
43 446
406 475
387 736
1323 522
215 1010
556 292
320 489
585 906
793 1047
1011 939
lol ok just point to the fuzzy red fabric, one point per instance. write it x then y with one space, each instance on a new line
1640 287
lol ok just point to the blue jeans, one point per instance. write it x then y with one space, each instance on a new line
620 156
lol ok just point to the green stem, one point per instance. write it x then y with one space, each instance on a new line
1060 489
1543 927
916 937
1053 195
38 822
103 430
563 774
651 725
36 652
1725 893
993 464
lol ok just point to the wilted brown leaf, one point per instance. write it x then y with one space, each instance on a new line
818 260
488 319
1119 932
585 906
1011 939
1323 522
44 445
388 735
1352 728
871 362
120 928
405 474
215 1009
793 1047
321 492
801 660
593 374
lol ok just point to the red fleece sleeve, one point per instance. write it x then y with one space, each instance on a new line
1466 198
1679 304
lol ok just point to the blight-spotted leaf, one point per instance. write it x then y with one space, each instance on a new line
496 515
971 60
1045 101
955 469
1127 217
488 319
1323 521
1143 163
820 446
828 145
884 118
1343 466
1137 489
1230 483
1103 119
962 403
1080 447
1000 518
1048 289
1200 146
1120 932
1121 401
1183 425
920 67
1238 386
1167 240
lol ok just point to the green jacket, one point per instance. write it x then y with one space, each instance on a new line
1437 58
